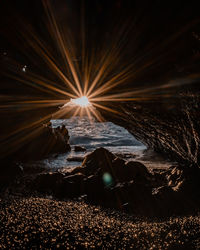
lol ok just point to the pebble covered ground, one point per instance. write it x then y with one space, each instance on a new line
43 223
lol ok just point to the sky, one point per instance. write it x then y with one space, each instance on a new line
157 38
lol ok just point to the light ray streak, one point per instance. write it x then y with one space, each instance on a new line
42 51
81 112
97 78
30 105
38 84
133 95
88 69
76 112
49 84
62 111
107 109
42 101
108 58
102 99
83 40
28 126
62 45
58 71
102 73
96 115
36 123
89 116
110 84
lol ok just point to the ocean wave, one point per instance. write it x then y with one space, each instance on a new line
92 135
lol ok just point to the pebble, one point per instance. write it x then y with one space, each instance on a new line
27 223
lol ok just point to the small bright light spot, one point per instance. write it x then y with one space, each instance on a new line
24 68
82 101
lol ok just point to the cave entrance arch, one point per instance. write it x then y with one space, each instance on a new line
91 135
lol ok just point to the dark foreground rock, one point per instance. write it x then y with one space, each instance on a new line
79 149
48 182
34 223
109 181
46 141
9 172
75 158
103 179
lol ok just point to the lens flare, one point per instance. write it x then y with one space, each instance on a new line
107 179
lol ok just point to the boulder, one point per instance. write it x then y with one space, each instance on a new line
63 132
187 186
141 199
101 158
9 173
46 141
181 193
95 189
184 179
159 178
137 171
48 182
76 178
79 149
72 186
166 201
118 169
80 169
75 158
137 195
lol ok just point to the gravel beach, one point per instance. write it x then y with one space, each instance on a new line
44 223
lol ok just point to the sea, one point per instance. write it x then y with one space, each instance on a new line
91 135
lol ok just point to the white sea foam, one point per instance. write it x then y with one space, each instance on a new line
99 134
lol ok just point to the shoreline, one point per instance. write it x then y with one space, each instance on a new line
72 159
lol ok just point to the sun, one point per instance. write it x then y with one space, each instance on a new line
81 101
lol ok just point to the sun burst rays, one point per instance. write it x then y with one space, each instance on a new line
100 75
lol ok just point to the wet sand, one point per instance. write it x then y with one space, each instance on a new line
34 223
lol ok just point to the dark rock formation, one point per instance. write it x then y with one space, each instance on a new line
109 181
48 183
9 172
105 180
46 141
100 159
169 126
75 158
72 186
79 149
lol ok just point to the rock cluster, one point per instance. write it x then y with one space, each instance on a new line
109 181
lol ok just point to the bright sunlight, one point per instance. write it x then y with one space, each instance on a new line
81 101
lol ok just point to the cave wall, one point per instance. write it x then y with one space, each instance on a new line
169 126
